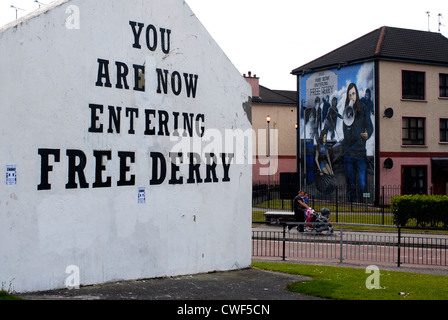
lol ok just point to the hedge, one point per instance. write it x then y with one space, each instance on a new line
428 211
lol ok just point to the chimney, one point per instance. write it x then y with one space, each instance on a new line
254 82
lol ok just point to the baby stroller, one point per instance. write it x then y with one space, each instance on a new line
320 221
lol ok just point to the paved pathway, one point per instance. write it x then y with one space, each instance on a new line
247 284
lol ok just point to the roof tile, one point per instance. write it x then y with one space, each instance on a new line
386 43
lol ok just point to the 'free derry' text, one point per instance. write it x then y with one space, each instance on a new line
226 309
105 119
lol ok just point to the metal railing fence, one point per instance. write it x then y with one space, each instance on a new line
343 245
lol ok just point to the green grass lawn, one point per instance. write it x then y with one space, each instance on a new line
6 296
340 283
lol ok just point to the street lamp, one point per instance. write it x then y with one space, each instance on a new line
17 9
39 3
268 120
303 108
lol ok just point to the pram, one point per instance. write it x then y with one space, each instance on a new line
317 222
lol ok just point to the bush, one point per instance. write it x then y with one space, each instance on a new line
426 210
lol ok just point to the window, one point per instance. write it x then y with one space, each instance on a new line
413 131
443 130
414 180
413 85
443 85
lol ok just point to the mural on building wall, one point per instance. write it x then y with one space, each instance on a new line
337 129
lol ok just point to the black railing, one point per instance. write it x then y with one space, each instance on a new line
348 246
373 206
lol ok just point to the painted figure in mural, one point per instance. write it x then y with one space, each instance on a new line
331 118
368 102
322 157
313 119
325 107
357 128
324 173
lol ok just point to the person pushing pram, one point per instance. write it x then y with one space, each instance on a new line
317 222
303 214
300 207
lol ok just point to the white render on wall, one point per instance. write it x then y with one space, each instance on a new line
49 70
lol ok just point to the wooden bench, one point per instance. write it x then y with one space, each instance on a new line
276 217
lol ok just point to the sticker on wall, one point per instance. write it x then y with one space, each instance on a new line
11 174
141 195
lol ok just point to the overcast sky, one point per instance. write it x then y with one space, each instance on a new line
273 37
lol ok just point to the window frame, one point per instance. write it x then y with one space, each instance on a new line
444 86
408 181
407 140
445 129
407 86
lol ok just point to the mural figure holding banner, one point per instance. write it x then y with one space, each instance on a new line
357 128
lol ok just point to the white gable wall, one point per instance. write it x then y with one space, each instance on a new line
47 89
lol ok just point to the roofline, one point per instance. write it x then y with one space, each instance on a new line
339 65
33 14
276 91
379 45
275 103
342 64
279 92
302 70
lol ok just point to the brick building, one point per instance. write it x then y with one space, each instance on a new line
399 79
281 108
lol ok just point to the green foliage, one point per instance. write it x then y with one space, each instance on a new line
425 210
6 296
